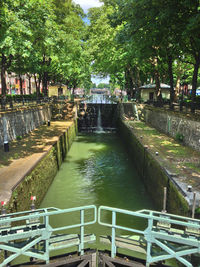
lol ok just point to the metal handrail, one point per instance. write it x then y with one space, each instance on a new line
160 231
156 233
42 231
151 214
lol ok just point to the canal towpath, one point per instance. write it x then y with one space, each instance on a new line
24 155
180 162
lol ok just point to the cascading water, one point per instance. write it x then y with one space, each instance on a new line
99 124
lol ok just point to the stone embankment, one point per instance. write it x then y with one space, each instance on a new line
161 160
17 123
32 163
176 124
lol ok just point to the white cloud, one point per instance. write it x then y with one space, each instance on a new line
86 4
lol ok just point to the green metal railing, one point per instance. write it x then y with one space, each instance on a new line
172 236
29 233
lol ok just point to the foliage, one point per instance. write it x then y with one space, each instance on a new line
19 137
179 137
103 85
43 39
136 42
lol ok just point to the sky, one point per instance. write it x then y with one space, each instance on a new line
86 4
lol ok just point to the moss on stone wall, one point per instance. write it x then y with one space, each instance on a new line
153 175
37 182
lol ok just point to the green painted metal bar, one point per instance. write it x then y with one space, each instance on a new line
149 243
46 249
81 247
162 227
35 228
165 231
114 249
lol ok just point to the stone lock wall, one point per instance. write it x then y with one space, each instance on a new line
152 174
39 179
88 117
174 124
21 122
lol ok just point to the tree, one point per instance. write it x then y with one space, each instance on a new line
43 39
107 56
14 36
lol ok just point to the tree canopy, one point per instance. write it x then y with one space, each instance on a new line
133 42
141 41
43 39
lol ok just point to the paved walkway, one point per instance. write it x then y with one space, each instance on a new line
25 154
180 162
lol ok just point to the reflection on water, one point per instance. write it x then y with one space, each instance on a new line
97 171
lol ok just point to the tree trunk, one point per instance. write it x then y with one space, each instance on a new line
3 76
44 83
158 89
138 83
135 82
29 84
171 79
194 82
39 83
20 85
128 82
37 86
157 81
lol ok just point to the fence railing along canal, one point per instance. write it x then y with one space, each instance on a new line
30 234
164 237
17 102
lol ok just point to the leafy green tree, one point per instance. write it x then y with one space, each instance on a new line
45 40
14 37
107 56
103 85
157 39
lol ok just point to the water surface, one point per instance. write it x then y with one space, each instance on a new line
98 170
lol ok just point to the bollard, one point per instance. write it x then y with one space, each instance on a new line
189 188
33 199
6 146
49 123
3 210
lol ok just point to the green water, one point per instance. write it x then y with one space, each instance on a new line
98 170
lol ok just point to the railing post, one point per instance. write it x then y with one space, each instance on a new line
149 241
194 205
47 239
81 246
113 249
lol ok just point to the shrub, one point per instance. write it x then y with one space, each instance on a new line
19 137
179 137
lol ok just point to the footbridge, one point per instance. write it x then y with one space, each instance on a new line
31 234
